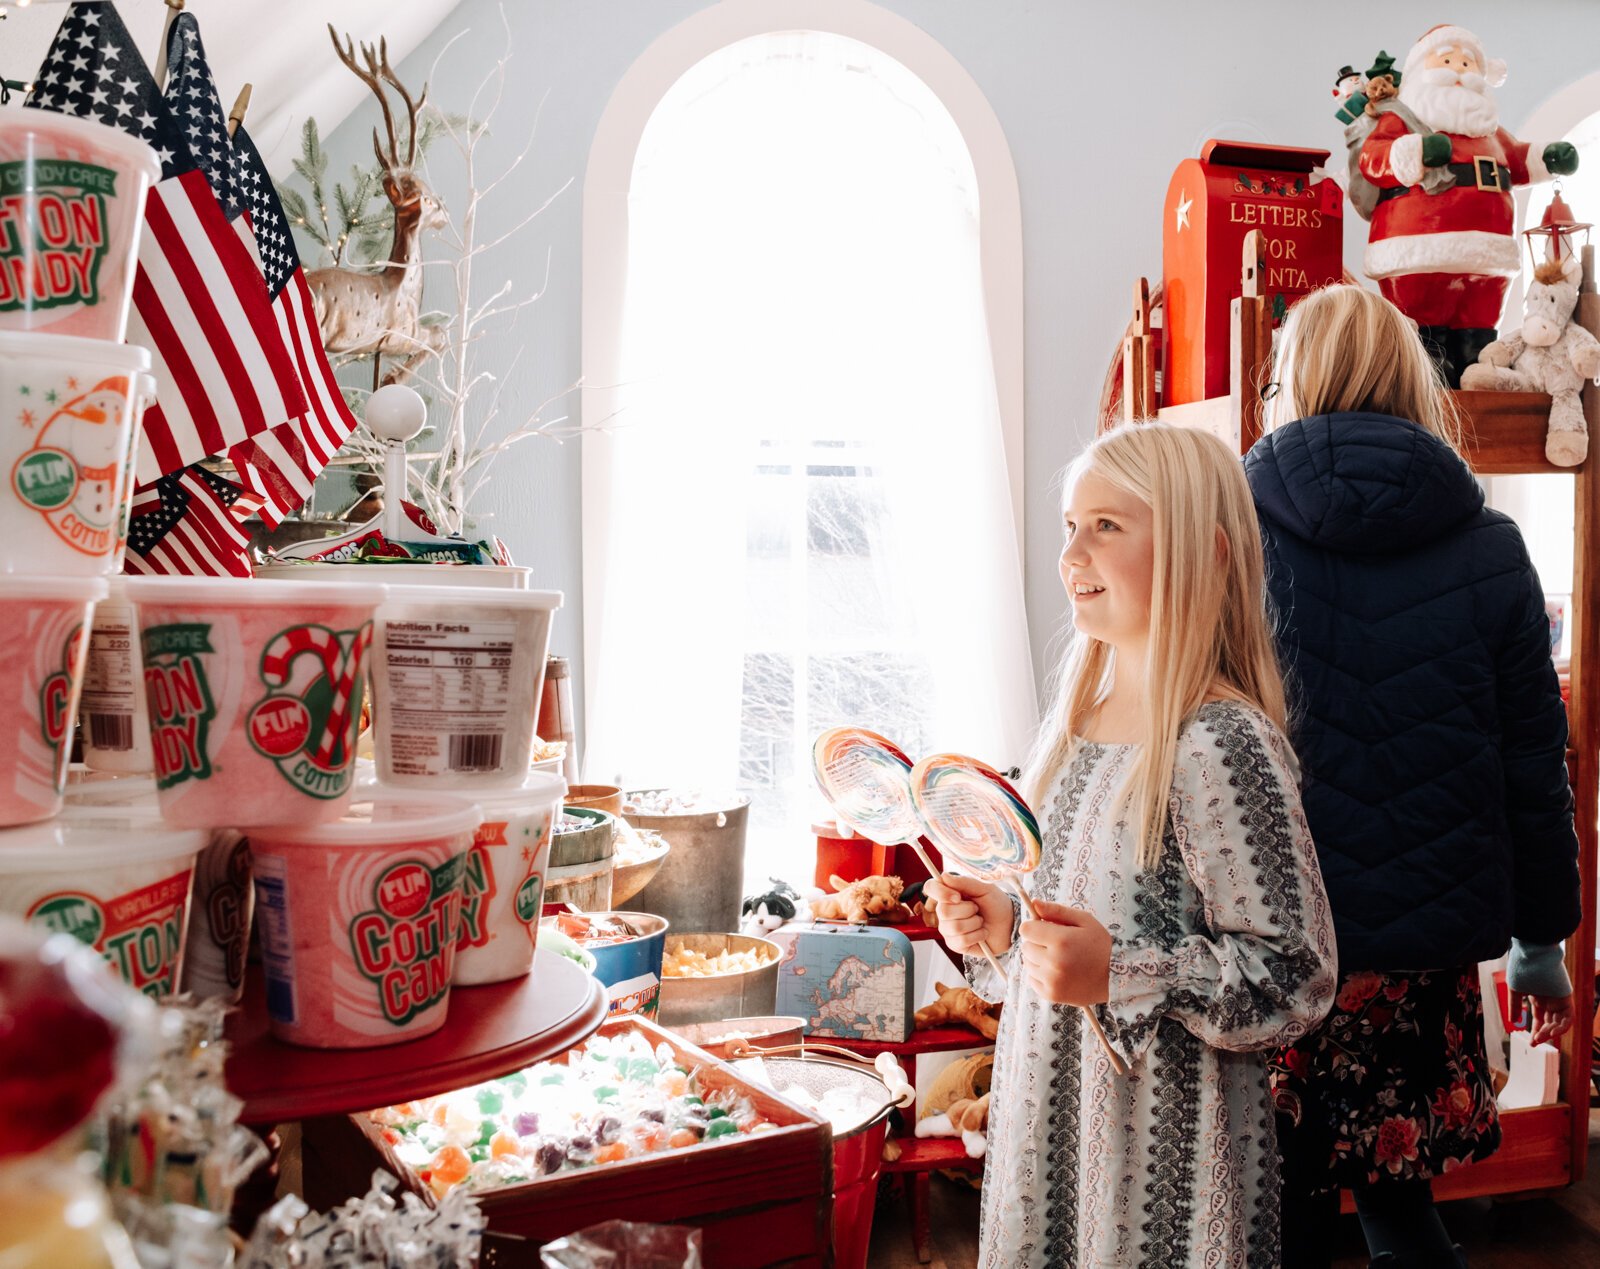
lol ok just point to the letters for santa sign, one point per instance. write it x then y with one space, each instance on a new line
1213 201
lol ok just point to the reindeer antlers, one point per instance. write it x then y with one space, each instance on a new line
378 69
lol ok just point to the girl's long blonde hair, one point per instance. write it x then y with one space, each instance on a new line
1209 633
1346 348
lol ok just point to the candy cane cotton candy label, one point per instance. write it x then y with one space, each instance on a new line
253 690
306 724
53 232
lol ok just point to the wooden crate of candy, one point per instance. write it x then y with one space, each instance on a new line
694 1146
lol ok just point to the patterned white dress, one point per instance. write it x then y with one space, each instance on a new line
1225 952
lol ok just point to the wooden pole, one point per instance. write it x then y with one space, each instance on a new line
1138 366
174 8
1250 347
1583 725
241 107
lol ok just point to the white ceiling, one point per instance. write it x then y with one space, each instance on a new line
280 47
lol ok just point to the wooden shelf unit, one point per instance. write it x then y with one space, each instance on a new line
1545 1147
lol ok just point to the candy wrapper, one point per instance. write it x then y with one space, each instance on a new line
375 1230
423 544
625 1245
616 1100
176 1137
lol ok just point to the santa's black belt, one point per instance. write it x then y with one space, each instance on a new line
1484 174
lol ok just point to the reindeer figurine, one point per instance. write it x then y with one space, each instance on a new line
364 312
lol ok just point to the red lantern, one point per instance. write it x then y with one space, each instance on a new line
1560 231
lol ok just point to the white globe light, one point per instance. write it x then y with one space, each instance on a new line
396 413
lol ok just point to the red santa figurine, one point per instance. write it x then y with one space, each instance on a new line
1443 244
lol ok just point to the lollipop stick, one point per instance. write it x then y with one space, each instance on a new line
1117 1064
934 872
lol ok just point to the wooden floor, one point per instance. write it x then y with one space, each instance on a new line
1562 1231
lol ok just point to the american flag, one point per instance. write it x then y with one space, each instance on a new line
223 373
281 464
191 522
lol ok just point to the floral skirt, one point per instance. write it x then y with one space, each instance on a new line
1393 1086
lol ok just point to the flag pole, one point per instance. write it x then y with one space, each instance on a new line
174 8
241 104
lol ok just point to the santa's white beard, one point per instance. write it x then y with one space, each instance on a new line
1467 109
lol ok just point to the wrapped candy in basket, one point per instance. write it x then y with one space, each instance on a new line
635 1124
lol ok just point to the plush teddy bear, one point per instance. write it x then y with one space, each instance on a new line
960 1005
857 902
957 1104
1551 353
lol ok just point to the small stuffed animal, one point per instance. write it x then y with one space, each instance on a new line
1551 353
968 1120
957 1104
856 902
763 913
961 1005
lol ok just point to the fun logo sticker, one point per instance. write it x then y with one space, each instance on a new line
52 232
530 899
180 703
139 933
70 476
307 722
403 943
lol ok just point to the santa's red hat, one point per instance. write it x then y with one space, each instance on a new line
1447 36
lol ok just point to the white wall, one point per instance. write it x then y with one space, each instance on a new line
1099 103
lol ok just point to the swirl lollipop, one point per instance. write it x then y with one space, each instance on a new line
980 822
867 780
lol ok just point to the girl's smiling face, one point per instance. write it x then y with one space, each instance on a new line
1108 562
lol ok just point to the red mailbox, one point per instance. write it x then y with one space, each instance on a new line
1212 202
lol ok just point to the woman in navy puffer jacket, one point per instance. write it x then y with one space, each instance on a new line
1430 727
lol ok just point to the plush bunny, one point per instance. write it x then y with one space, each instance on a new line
1551 353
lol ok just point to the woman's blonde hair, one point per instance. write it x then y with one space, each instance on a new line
1345 348
1209 634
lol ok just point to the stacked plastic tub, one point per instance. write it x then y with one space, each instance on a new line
455 672
220 717
71 397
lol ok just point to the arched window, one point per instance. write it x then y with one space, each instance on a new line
800 512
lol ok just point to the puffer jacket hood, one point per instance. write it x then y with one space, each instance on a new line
1424 706
1366 484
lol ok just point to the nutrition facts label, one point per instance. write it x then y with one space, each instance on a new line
451 694
109 698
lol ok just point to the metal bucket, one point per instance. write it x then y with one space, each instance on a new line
737 995
857 1150
701 884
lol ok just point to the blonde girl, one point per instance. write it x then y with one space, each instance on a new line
1179 891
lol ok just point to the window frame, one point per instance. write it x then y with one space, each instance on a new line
605 232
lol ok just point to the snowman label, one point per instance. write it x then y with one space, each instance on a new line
306 724
70 476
